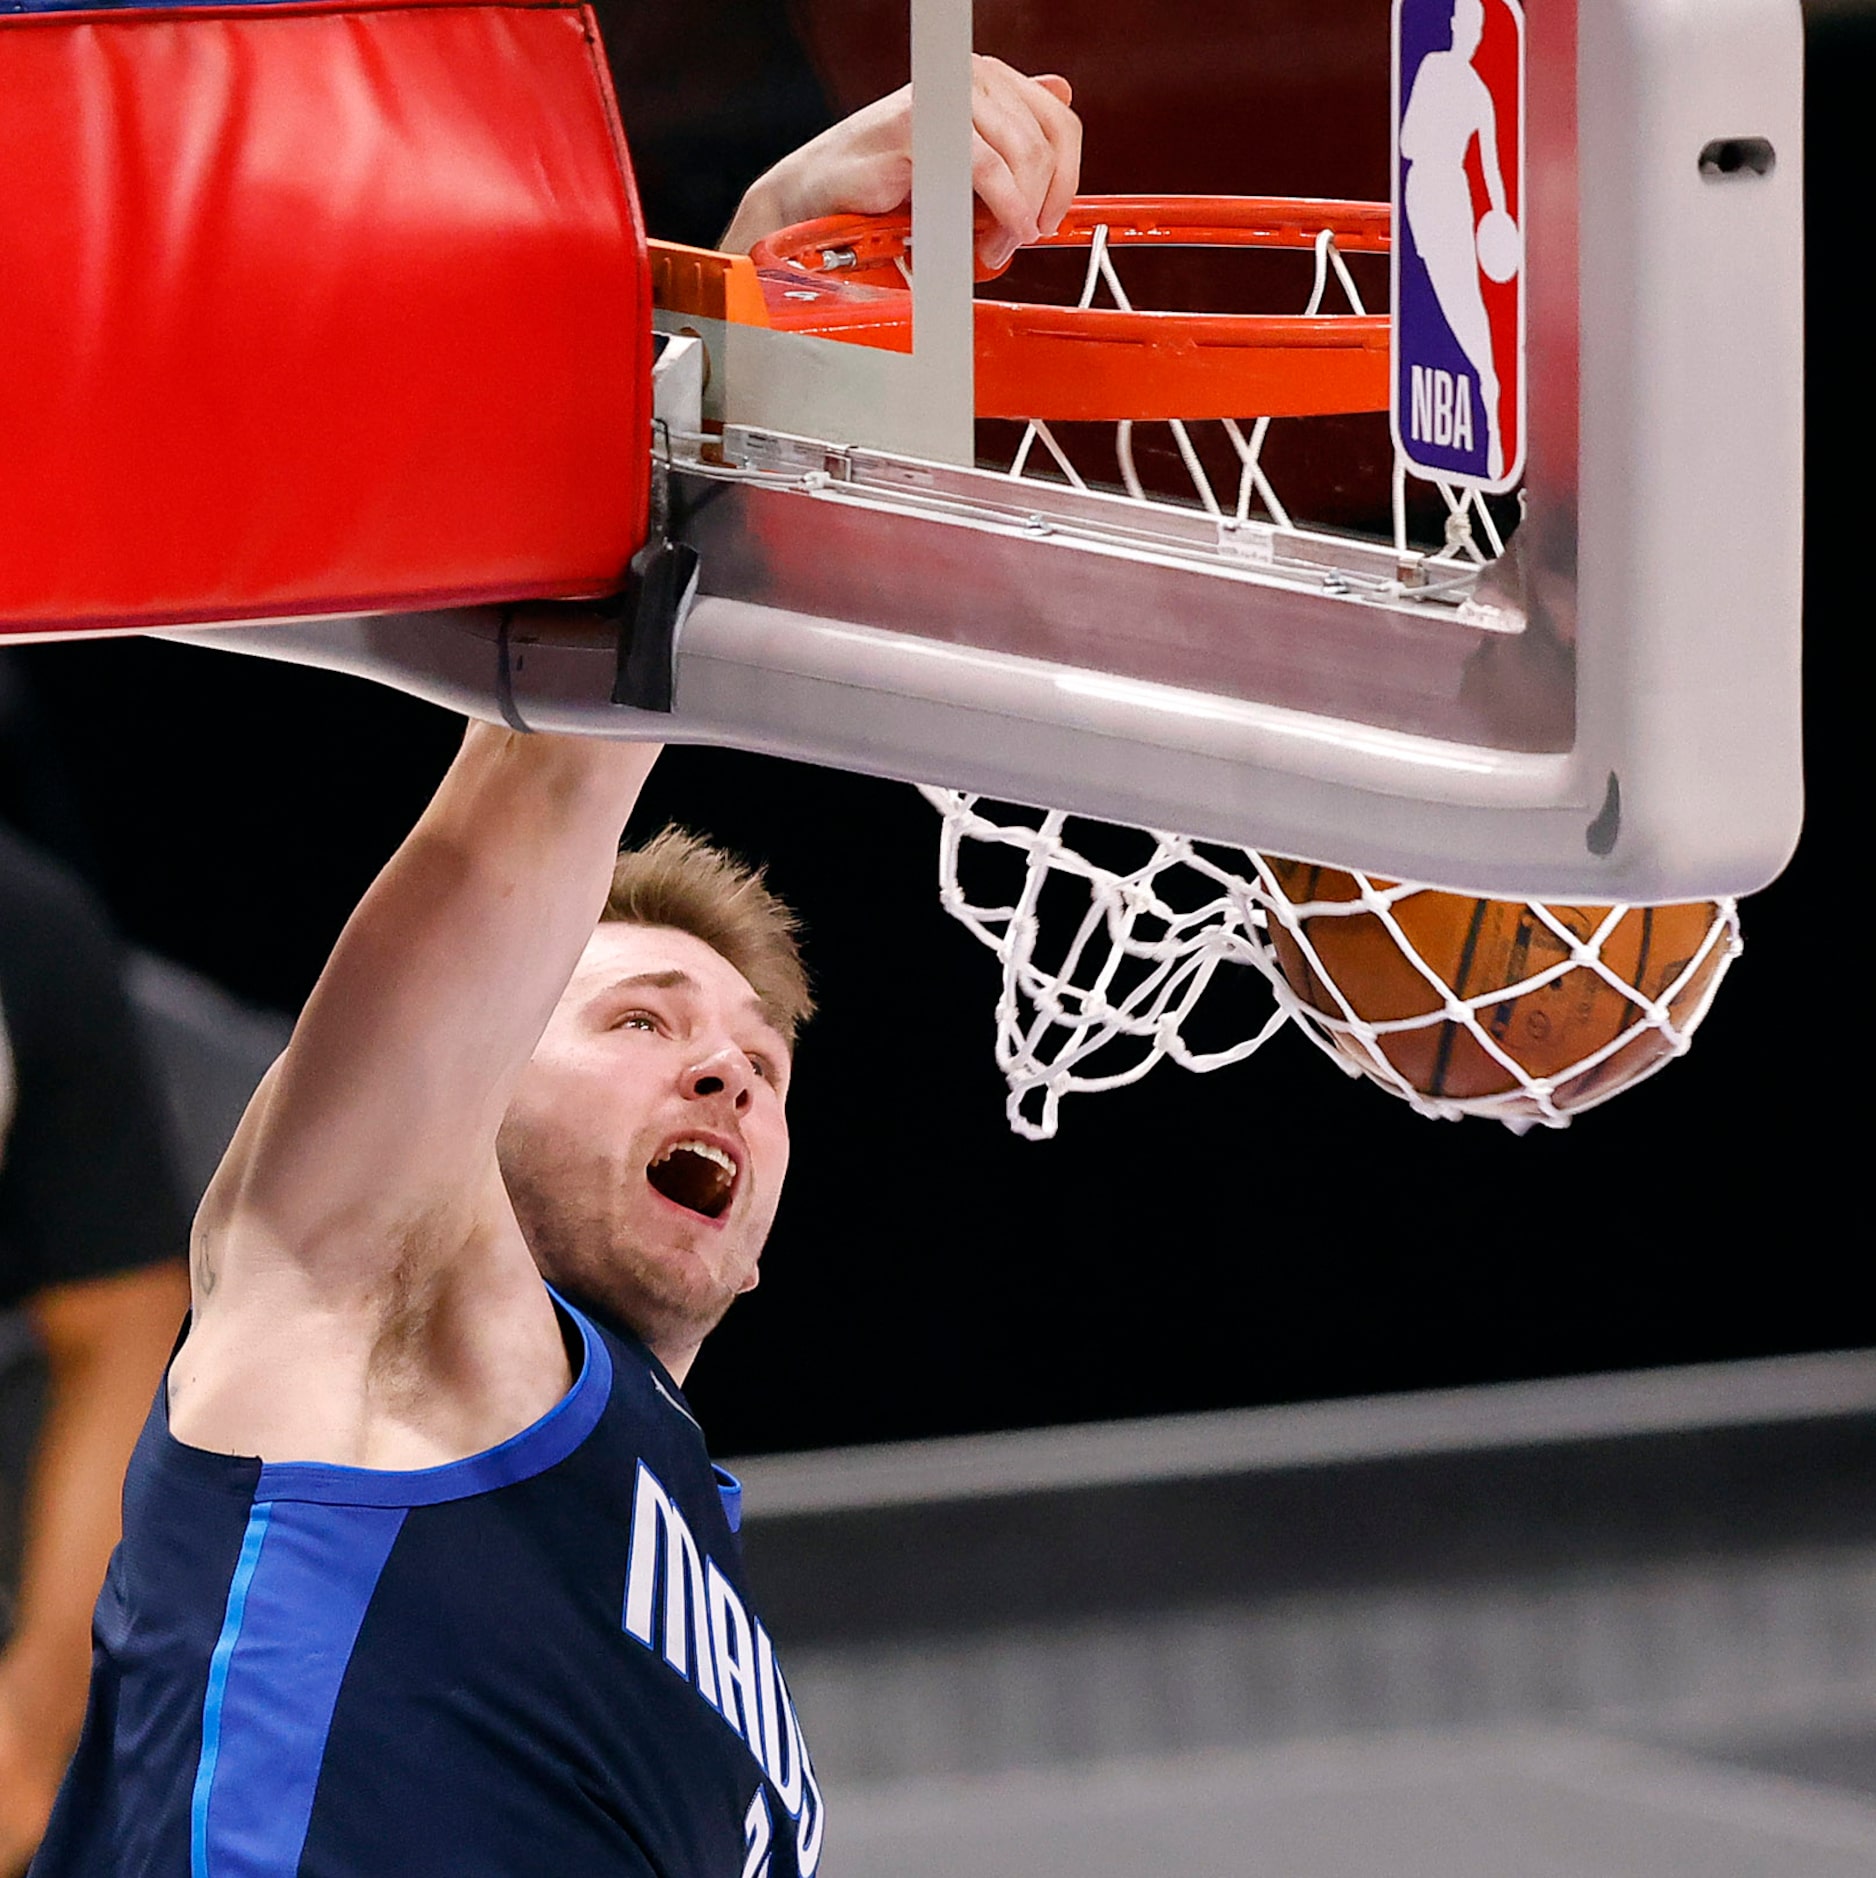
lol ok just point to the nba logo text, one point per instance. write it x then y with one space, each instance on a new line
1458 390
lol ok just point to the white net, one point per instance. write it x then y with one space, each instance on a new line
1117 990
1515 1010
1470 533
1116 945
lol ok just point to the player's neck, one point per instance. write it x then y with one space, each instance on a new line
674 1357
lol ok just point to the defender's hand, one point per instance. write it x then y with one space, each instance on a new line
1025 164
29 1780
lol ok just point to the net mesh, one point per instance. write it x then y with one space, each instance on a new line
1137 947
1140 952
1470 534
1111 944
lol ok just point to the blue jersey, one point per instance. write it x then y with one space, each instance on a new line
540 1660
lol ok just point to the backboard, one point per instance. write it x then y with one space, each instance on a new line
1337 662
1608 713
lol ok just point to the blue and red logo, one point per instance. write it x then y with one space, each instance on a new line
1458 392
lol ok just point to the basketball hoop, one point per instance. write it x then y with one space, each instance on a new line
847 277
1518 1011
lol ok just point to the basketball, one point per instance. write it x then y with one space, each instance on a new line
1480 947
1501 245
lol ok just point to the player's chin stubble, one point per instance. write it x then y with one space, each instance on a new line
661 1305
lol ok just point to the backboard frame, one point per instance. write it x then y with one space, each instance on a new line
1666 357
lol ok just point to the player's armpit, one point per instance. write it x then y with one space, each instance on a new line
382 1114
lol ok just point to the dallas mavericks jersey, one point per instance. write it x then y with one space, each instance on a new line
540 1660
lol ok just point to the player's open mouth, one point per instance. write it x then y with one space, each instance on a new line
697 1175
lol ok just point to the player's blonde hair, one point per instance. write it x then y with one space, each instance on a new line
679 880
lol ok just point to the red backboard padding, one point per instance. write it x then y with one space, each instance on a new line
314 309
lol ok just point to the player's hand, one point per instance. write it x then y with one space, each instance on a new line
1025 164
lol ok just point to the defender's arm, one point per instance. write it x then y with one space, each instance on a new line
106 1340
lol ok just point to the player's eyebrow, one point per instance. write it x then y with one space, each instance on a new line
670 979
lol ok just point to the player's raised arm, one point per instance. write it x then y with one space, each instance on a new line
374 1136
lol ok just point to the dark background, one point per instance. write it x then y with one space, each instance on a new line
1271 1233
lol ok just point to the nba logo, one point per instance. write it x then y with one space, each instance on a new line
1458 382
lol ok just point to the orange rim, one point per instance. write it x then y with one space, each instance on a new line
841 277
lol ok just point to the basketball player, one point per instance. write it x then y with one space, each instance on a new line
425 1568
1449 107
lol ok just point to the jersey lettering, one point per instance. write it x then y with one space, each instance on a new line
684 1633
757 1834
736 1661
781 1736
681 1606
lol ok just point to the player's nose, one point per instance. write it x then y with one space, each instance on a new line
725 1071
